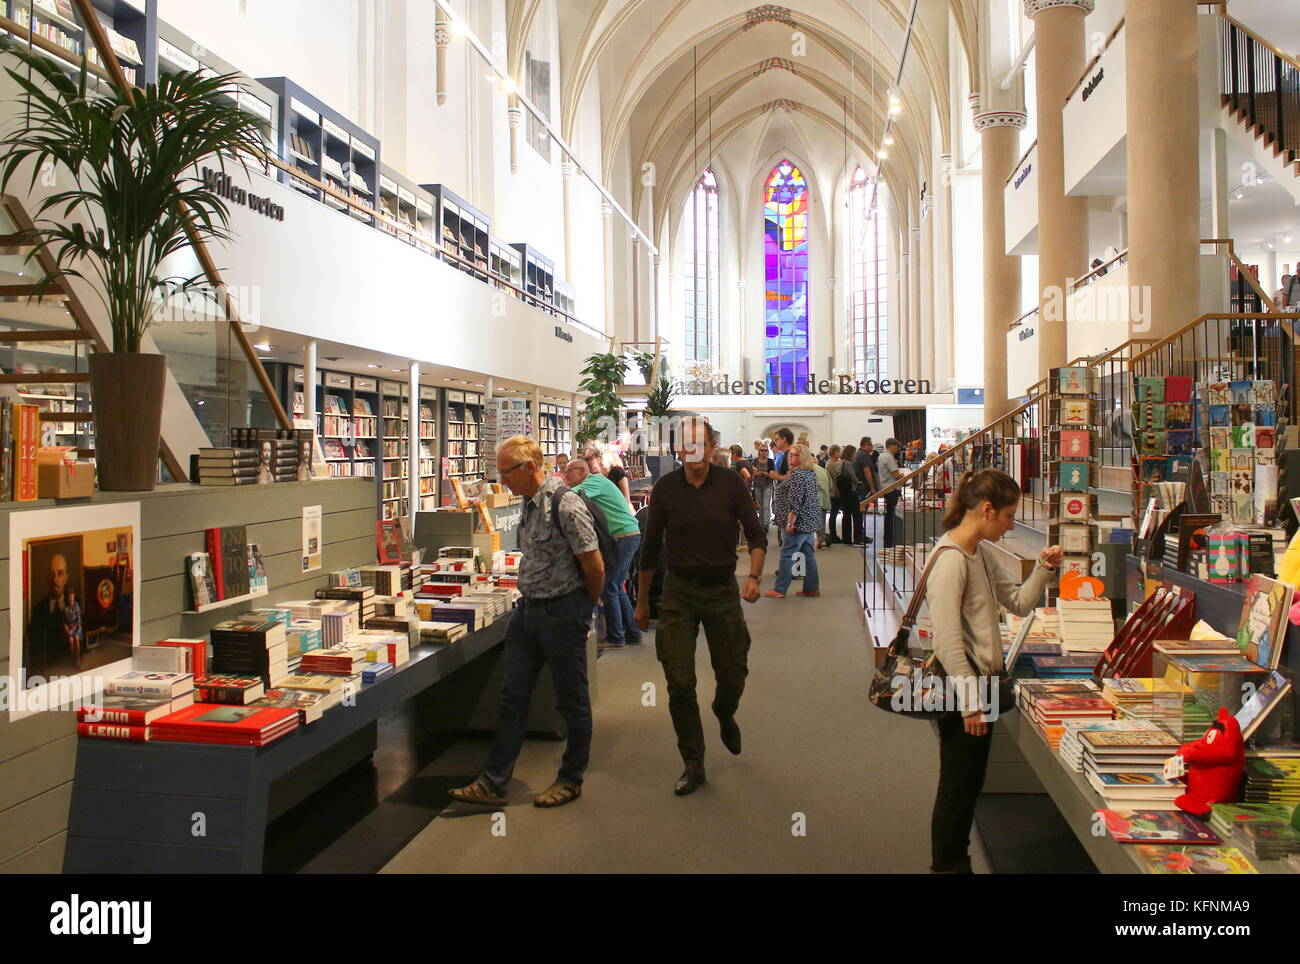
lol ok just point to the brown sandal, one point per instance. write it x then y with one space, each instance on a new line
558 794
479 792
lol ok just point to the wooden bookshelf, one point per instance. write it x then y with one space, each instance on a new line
462 433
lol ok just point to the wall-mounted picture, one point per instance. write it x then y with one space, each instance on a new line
74 589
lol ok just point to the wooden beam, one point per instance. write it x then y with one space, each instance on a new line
46 334
45 378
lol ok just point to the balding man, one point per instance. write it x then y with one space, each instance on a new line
560 579
46 639
698 507
620 621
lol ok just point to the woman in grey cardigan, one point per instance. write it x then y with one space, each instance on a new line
968 643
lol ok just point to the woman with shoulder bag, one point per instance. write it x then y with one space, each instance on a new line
968 645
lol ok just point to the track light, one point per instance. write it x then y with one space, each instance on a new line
889 140
882 154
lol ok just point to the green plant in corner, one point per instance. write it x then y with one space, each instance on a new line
130 159
602 376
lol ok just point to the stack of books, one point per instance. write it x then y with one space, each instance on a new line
1071 747
1029 691
1263 830
226 466
384 646
1121 766
1086 625
345 579
1064 667
310 705
334 660
440 633
337 625
374 672
384 580
363 596
251 647
112 717
229 690
284 454
1195 859
1050 714
233 725
1158 826
1272 779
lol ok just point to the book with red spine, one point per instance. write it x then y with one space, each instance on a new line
131 710
211 723
229 690
27 438
114 731
196 664
213 541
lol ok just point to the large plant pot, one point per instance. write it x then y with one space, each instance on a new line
126 394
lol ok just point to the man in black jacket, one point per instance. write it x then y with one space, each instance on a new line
695 511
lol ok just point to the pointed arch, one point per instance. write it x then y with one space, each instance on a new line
869 277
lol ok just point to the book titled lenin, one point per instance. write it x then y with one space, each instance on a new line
228 557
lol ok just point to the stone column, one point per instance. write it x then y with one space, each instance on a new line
607 224
943 261
441 38
904 366
926 368
567 171
914 267
999 150
1163 178
1060 56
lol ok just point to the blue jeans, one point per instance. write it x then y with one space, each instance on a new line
764 505
791 543
620 619
551 632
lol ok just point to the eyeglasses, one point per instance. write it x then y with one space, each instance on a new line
517 465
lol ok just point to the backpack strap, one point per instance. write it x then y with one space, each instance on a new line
918 597
555 506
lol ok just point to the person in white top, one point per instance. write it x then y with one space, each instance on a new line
968 644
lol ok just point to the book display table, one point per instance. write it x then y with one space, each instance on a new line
163 807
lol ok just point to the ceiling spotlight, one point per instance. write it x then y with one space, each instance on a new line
895 109
1271 246
372 366
1240 195
508 85
457 28
889 140
263 346
895 94
1286 239
882 154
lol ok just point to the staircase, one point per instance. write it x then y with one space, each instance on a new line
1260 98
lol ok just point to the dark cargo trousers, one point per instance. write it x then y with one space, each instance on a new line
683 607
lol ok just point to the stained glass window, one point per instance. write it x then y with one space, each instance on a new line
785 251
700 244
870 290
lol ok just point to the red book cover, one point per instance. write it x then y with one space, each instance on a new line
1178 388
217 720
197 662
214 557
114 731
27 437
389 540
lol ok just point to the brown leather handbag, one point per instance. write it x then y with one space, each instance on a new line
906 684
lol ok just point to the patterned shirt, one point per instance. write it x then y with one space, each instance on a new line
799 494
548 568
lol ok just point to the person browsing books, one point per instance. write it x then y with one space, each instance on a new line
561 576
964 590
620 620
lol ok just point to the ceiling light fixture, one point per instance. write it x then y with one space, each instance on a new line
889 140
1286 239
263 346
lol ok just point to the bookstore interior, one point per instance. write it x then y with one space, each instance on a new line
263 571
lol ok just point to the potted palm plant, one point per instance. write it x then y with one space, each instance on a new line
602 377
659 412
128 196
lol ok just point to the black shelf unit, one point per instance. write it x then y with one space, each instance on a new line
128 28
506 265
428 412
169 50
324 144
411 205
464 230
566 296
539 276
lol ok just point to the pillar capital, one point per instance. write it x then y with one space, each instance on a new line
1035 7
441 35
515 116
1001 118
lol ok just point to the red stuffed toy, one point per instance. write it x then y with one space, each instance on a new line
1214 766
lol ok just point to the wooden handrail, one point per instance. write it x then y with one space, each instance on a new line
1023 157
1087 69
944 456
1265 298
1258 39
1225 315
1021 320
1102 268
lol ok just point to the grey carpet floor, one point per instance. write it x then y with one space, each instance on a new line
826 783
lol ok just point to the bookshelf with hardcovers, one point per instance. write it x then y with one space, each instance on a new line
539 275
347 419
461 457
464 230
410 205
56 21
169 50
427 413
554 431
324 144
395 442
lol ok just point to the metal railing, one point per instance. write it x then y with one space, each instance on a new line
1262 85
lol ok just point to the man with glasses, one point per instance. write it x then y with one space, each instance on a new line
561 576
695 510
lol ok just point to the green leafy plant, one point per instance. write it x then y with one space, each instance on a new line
645 361
601 378
132 158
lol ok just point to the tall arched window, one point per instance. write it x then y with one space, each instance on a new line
785 252
700 249
868 250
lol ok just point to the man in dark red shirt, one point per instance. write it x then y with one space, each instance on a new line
698 506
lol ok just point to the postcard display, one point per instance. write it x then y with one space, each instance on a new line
1243 434
1072 419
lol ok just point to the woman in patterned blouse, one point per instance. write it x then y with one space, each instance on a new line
798 510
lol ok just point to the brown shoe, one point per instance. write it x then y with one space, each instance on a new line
558 794
815 592
479 792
